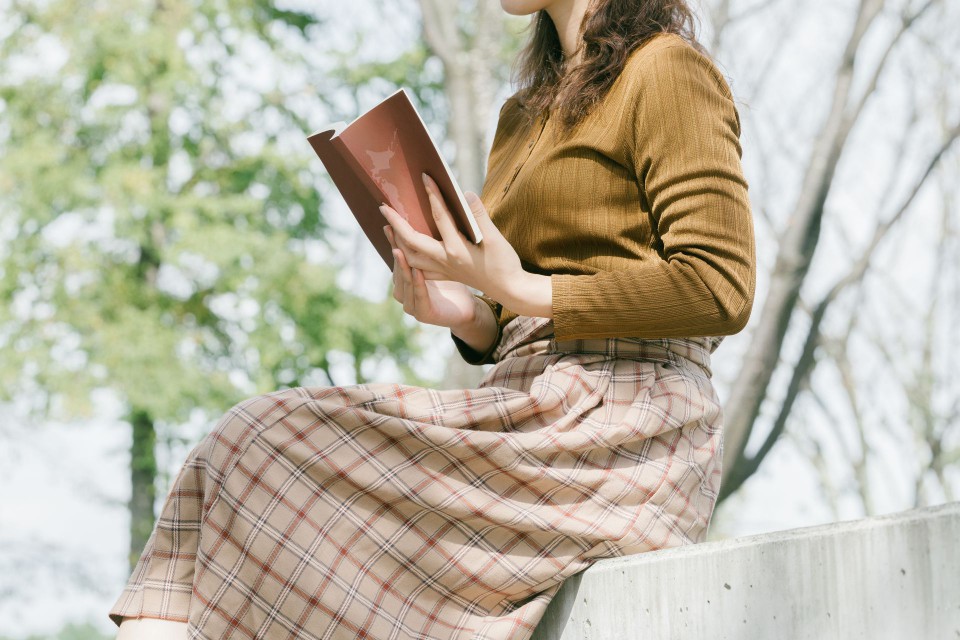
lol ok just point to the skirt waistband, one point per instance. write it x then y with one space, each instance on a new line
525 335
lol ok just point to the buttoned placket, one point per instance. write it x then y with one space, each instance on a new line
536 135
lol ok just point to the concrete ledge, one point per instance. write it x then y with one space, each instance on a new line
894 576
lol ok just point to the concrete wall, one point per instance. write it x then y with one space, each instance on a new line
895 576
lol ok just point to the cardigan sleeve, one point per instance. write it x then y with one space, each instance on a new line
684 139
470 355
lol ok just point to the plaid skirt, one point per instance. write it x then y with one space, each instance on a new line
390 511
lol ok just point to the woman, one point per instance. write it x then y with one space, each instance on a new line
617 253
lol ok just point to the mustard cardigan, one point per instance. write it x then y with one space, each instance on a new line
641 217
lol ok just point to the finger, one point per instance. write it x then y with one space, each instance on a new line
441 214
415 258
480 213
407 277
432 275
426 273
406 251
420 295
414 244
398 284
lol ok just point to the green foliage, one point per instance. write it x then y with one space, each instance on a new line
72 631
160 200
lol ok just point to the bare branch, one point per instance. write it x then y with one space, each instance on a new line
806 361
770 59
793 263
818 459
839 349
907 21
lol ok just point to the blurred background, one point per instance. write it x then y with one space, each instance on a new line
169 245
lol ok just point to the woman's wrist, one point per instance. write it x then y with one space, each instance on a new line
528 294
480 330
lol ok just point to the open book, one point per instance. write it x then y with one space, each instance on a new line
378 158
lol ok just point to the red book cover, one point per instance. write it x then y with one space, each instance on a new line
378 158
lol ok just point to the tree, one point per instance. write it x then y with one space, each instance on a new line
474 43
906 32
167 237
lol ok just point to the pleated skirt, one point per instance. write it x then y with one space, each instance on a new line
392 511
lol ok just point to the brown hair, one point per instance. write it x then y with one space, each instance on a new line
610 31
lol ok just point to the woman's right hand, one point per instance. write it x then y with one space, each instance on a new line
446 303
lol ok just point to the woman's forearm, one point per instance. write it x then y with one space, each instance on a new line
529 294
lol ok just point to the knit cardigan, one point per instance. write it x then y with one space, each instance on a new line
641 215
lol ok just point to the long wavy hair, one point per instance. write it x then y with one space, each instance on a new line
610 31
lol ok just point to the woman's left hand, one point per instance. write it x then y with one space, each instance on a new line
491 266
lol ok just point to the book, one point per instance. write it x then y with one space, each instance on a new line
378 157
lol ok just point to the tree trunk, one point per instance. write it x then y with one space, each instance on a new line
143 476
470 61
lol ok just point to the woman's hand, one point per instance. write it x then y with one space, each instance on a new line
445 303
492 266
